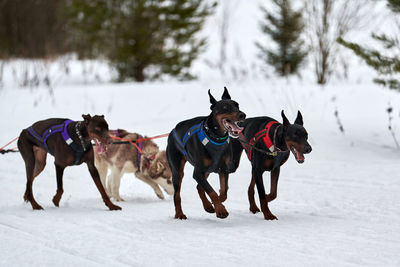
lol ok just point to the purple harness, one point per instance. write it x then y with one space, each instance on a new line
50 131
60 128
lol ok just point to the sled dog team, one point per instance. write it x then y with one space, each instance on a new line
212 144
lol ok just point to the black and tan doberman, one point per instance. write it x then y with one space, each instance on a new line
70 144
206 143
267 144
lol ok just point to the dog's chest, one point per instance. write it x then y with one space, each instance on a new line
124 164
217 158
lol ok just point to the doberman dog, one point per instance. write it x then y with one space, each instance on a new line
70 144
205 143
267 144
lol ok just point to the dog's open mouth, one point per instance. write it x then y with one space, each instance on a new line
298 155
100 147
232 127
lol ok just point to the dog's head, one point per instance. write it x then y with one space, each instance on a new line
296 137
227 114
97 130
161 173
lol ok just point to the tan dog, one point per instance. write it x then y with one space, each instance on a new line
151 166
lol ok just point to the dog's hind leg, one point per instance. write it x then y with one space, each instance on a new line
177 163
40 160
28 154
253 206
60 189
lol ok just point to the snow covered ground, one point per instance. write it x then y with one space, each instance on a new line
339 208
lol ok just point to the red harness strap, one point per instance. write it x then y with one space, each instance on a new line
264 133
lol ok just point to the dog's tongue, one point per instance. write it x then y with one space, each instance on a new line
234 128
299 157
100 149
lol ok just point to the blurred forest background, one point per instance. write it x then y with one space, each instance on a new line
151 39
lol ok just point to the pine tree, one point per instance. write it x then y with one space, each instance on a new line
143 39
285 30
384 64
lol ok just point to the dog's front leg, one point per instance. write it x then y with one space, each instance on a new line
102 169
220 210
206 203
96 178
60 190
253 206
149 181
274 185
257 176
223 184
115 177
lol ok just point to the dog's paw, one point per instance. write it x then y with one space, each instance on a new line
270 197
221 212
223 197
270 217
56 201
114 207
209 208
36 207
180 216
159 194
118 198
254 209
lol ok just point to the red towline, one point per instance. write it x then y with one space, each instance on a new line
132 142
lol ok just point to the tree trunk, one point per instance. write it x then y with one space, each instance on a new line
139 73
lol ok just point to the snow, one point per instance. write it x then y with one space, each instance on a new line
339 208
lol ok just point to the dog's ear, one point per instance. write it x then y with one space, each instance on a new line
156 169
86 118
299 119
285 120
102 116
226 95
213 101
160 167
153 171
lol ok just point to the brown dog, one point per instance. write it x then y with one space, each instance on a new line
150 166
70 144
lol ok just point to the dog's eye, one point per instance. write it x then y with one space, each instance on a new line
97 129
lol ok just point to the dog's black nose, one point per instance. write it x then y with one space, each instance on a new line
242 116
308 149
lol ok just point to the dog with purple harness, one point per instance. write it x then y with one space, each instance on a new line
70 144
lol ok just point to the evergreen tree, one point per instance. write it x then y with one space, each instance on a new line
143 39
384 64
285 30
